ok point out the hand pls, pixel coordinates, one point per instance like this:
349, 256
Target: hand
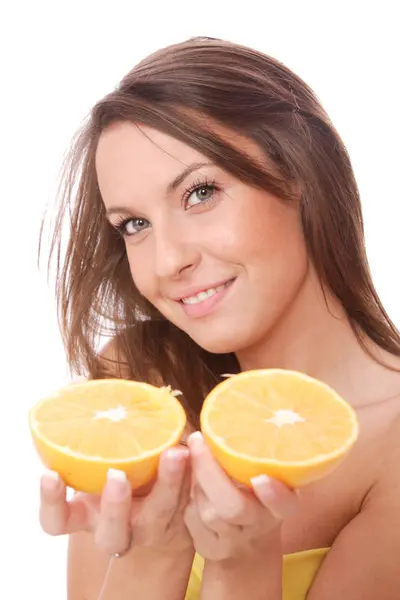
226, 522
154, 520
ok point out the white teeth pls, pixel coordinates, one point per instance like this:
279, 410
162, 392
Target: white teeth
204, 295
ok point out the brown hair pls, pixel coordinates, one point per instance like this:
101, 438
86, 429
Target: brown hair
257, 97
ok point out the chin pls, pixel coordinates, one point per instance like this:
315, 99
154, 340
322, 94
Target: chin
225, 342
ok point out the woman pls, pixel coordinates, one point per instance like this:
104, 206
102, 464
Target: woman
216, 226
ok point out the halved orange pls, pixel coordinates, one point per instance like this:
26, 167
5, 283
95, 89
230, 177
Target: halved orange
86, 428
280, 423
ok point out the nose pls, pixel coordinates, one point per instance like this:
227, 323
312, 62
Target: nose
174, 252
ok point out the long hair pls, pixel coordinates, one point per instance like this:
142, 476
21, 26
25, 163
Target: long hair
180, 90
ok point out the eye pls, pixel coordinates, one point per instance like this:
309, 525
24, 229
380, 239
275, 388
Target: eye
200, 194
131, 226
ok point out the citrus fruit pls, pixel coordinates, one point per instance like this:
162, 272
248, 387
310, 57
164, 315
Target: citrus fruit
86, 428
279, 423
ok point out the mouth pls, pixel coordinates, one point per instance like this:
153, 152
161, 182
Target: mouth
205, 294
203, 302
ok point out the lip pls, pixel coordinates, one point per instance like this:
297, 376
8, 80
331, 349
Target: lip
208, 305
194, 291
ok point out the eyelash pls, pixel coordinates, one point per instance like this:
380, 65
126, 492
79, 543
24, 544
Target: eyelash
198, 185
120, 225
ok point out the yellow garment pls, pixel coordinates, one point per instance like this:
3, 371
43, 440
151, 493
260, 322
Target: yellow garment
299, 571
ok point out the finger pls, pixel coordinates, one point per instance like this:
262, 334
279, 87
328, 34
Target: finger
229, 502
202, 536
280, 500
56, 515
171, 484
113, 532
144, 490
186, 483
209, 516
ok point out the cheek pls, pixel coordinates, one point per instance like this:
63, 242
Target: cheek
265, 230
282, 259
282, 243
141, 273
271, 246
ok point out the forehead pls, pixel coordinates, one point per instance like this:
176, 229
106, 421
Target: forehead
125, 141
129, 153
132, 158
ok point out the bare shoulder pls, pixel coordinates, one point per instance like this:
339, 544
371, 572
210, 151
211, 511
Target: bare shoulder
363, 561
379, 448
388, 457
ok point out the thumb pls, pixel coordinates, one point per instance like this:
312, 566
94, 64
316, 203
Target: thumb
280, 500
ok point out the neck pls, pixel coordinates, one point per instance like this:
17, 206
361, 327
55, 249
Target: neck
315, 337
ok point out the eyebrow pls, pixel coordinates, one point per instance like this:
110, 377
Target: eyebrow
171, 187
185, 173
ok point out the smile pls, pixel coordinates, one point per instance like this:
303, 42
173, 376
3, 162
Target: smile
203, 302
201, 296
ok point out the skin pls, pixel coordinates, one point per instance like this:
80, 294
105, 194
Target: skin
237, 234
274, 314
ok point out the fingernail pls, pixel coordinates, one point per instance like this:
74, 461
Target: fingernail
261, 483
116, 475
116, 484
195, 442
50, 480
174, 459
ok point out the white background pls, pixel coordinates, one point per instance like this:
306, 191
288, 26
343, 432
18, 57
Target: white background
58, 58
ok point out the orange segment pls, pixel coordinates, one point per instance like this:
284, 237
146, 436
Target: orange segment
86, 428
280, 423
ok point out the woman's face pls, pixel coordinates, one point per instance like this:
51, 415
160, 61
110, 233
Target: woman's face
219, 259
